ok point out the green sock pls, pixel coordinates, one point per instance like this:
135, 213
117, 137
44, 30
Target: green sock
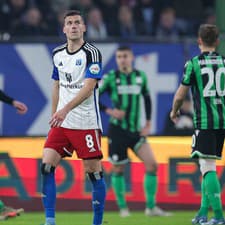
212, 187
150, 187
203, 211
119, 187
1, 206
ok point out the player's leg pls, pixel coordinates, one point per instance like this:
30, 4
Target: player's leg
54, 149
49, 162
209, 147
117, 146
9, 212
94, 172
119, 188
145, 153
88, 147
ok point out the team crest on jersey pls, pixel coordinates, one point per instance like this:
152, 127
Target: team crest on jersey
94, 68
78, 62
68, 77
138, 80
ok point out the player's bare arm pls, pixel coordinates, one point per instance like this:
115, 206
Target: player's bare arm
84, 93
146, 129
177, 101
55, 96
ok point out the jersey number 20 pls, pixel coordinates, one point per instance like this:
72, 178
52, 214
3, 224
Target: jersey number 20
209, 90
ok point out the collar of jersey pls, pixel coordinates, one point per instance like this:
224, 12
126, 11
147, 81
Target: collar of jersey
72, 53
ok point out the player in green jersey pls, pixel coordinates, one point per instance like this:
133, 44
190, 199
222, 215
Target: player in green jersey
126, 86
205, 74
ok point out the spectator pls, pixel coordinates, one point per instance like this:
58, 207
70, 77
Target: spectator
210, 17
109, 9
48, 14
127, 27
145, 12
11, 13
32, 24
184, 125
83, 6
96, 28
167, 27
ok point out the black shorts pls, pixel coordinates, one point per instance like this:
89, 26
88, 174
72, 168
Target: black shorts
208, 144
119, 141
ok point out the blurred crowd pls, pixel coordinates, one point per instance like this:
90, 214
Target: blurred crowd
107, 18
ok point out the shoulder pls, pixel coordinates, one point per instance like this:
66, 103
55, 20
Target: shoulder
92, 52
141, 73
59, 49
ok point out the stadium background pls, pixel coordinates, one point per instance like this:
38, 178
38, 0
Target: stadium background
25, 71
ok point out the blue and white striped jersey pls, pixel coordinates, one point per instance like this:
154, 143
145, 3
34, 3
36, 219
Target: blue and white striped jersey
71, 69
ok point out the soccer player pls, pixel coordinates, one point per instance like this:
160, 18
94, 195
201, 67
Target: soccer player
205, 74
6, 211
75, 122
126, 86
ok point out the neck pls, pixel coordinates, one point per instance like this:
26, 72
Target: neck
74, 45
126, 71
207, 49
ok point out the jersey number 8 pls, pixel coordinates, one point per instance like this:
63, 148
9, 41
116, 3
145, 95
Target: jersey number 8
219, 84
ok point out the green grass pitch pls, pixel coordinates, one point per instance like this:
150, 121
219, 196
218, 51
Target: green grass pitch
110, 218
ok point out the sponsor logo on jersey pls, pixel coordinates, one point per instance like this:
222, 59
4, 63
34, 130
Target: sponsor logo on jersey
94, 68
129, 89
68, 77
78, 62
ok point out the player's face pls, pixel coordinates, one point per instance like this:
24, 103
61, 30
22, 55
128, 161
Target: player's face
124, 59
74, 27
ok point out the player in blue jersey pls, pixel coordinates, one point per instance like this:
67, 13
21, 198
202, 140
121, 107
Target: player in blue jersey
75, 122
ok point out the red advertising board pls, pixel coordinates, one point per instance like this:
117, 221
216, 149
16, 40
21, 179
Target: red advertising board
178, 175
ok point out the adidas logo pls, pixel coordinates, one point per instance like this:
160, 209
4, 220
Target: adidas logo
92, 150
61, 64
96, 202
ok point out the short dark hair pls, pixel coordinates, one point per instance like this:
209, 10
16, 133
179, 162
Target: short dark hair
209, 34
124, 48
73, 13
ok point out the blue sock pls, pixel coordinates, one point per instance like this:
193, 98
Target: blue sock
49, 197
98, 200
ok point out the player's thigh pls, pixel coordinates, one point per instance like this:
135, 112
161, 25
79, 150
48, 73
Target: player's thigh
87, 143
117, 146
56, 146
204, 144
143, 150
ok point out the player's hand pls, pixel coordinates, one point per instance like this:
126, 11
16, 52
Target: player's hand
58, 117
20, 107
174, 116
146, 129
116, 113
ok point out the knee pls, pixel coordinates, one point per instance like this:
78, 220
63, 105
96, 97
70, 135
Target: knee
118, 170
47, 168
153, 167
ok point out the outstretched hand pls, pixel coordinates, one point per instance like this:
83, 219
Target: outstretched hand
20, 107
